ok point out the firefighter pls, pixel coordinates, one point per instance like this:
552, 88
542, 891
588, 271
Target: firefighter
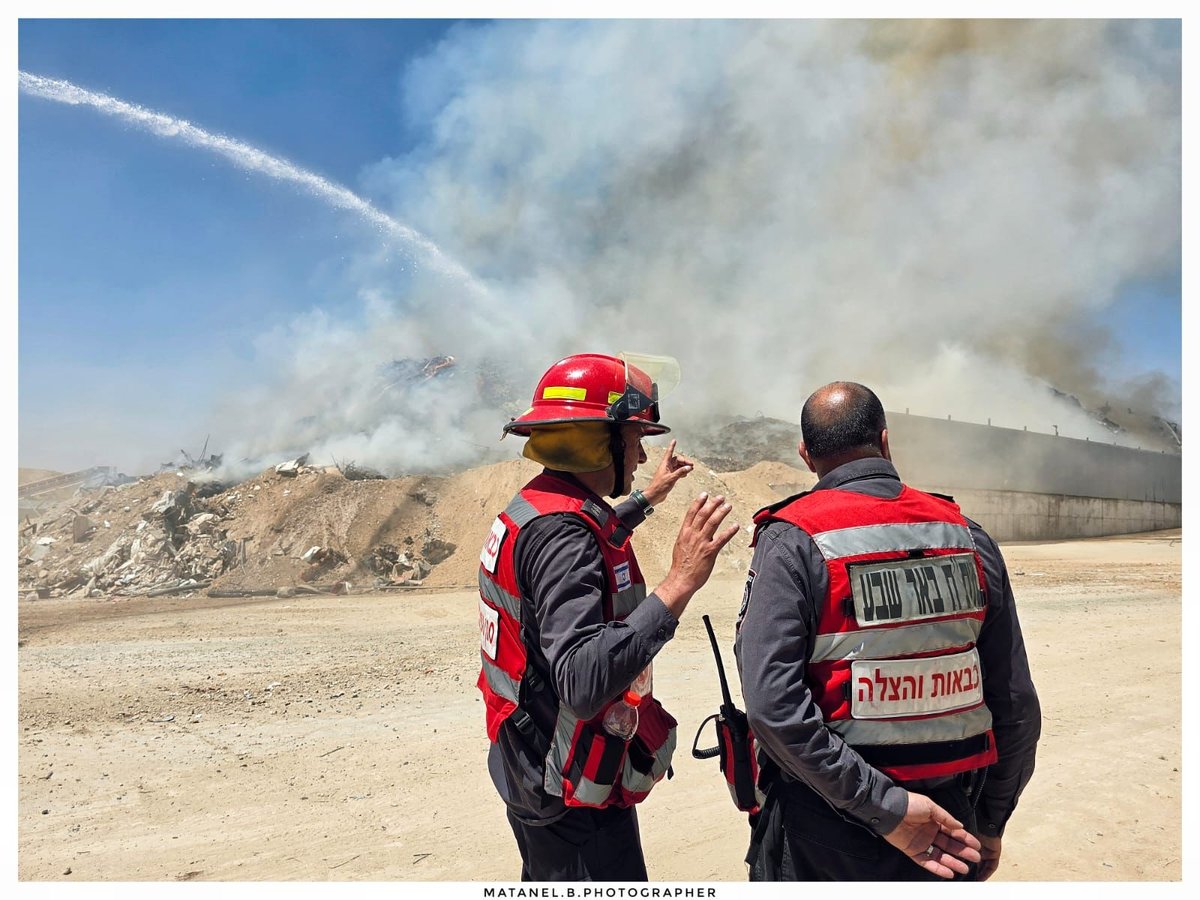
566, 624
883, 670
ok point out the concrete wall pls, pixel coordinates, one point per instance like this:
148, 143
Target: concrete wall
959, 455
1018, 516
1019, 485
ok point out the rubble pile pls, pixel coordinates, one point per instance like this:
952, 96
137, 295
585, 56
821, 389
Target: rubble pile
147, 537
397, 566
298, 529
294, 526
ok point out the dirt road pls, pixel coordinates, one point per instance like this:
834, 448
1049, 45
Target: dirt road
341, 738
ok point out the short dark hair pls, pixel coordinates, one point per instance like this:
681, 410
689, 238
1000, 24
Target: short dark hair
855, 422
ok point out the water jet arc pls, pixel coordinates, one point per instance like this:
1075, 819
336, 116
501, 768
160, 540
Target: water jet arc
246, 157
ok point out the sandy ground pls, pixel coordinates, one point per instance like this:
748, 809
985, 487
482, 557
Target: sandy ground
341, 738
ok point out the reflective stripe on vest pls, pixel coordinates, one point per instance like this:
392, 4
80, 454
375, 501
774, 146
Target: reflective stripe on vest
521, 511
641, 782
916, 731
880, 643
888, 538
499, 597
893, 667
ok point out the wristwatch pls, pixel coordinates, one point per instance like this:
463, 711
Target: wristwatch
641, 500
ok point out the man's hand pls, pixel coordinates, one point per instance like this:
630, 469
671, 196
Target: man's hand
695, 552
990, 851
672, 468
934, 839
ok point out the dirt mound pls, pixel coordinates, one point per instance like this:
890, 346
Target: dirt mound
747, 490
310, 529
25, 476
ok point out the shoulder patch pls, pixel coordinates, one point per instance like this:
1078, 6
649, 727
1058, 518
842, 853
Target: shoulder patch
624, 578
750, 576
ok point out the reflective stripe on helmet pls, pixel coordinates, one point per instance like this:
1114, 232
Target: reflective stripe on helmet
564, 393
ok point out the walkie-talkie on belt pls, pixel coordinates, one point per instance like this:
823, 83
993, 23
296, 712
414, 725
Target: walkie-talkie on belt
735, 743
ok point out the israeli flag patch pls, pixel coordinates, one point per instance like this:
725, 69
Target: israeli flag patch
624, 579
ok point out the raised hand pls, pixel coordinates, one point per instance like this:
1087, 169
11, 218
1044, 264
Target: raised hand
695, 552
670, 470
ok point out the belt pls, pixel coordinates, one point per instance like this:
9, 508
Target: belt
970, 782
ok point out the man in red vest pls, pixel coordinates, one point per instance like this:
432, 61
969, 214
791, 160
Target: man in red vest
567, 629
883, 670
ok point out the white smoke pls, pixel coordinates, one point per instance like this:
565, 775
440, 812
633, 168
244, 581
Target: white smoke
932, 208
937, 209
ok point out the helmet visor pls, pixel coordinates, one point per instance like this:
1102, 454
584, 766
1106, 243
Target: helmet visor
647, 380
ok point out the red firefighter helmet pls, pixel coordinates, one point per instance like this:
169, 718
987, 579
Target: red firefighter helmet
592, 387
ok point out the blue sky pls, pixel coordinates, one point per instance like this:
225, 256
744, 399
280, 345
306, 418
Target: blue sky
143, 262
157, 280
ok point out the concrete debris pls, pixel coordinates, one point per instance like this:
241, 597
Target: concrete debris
162, 544
292, 467
185, 584
82, 529
165, 536
320, 560
201, 524
384, 558
404, 568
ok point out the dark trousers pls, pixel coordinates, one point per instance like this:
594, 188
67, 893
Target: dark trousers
803, 838
584, 845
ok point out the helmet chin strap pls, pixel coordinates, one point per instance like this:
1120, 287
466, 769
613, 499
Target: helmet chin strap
616, 447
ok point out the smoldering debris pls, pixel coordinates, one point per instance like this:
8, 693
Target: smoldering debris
199, 463
351, 471
401, 373
742, 443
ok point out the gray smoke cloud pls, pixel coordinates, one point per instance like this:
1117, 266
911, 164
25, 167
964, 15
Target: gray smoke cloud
937, 209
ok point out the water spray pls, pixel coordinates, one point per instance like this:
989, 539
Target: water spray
249, 158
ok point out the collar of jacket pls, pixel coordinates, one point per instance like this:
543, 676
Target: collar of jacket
857, 469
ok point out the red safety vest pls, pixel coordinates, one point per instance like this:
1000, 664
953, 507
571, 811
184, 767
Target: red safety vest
893, 664
584, 765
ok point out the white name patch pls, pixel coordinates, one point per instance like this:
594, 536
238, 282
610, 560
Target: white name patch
905, 590
624, 580
489, 629
491, 547
883, 689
